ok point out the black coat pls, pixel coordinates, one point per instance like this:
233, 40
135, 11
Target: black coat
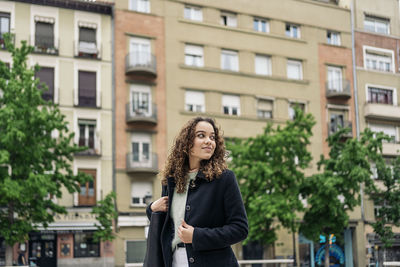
215, 209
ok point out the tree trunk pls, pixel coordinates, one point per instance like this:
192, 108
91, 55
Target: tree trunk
9, 255
326, 264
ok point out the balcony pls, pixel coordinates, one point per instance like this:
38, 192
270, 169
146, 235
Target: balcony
391, 149
87, 50
338, 89
135, 164
93, 144
334, 127
81, 100
141, 114
141, 63
44, 44
382, 111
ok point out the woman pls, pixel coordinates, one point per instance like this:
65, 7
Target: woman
205, 212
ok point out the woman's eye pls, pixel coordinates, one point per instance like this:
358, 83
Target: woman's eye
200, 135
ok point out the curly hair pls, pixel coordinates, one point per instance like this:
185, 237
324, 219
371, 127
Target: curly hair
177, 164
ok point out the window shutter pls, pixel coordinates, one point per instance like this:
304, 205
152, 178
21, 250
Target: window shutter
87, 35
87, 88
46, 75
44, 34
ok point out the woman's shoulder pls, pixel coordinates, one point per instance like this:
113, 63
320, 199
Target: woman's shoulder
227, 175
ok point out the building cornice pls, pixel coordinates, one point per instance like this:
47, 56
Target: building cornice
88, 6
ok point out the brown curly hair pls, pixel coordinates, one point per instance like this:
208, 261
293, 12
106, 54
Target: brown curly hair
177, 164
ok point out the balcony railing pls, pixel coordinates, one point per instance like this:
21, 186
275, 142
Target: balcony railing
338, 89
141, 63
44, 44
136, 113
138, 163
382, 111
334, 127
86, 101
93, 144
87, 50
391, 149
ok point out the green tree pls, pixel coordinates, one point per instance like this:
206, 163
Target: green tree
105, 214
334, 191
35, 165
387, 196
270, 170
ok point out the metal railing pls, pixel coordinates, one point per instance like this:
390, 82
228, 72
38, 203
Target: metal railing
93, 144
139, 163
45, 44
141, 113
140, 62
338, 88
87, 50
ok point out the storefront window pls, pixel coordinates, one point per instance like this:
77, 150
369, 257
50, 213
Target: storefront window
85, 246
2, 252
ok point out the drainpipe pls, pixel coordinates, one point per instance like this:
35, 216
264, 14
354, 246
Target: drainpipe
114, 186
353, 49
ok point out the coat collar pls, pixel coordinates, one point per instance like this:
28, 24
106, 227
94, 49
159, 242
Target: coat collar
200, 176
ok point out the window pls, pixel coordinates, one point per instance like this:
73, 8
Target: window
380, 96
228, 19
194, 101
141, 100
261, 25
292, 30
142, 193
229, 60
292, 111
140, 5
378, 25
4, 26
333, 38
87, 135
85, 246
389, 130
193, 13
140, 52
374, 60
335, 80
87, 194
337, 121
263, 65
87, 42
141, 150
87, 88
294, 70
135, 251
265, 108
44, 36
231, 105
46, 76
194, 55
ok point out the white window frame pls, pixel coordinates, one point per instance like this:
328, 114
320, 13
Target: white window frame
368, 85
388, 52
259, 22
334, 83
231, 19
291, 32
142, 6
376, 21
46, 12
233, 58
90, 19
194, 55
262, 111
193, 13
228, 101
144, 45
49, 62
142, 138
145, 188
297, 63
141, 89
334, 38
87, 66
9, 7
196, 99
262, 65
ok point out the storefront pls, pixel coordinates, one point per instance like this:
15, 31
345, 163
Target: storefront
378, 254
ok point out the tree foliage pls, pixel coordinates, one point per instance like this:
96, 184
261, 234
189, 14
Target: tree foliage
270, 173
105, 214
36, 150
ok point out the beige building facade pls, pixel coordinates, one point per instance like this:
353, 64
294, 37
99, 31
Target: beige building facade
72, 45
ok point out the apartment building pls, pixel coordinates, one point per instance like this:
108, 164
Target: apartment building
247, 63
140, 120
377, 43
72, 45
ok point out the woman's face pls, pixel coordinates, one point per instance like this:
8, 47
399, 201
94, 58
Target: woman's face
204, 142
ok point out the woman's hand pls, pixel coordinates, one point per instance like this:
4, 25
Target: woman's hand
160, 204
185, 232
